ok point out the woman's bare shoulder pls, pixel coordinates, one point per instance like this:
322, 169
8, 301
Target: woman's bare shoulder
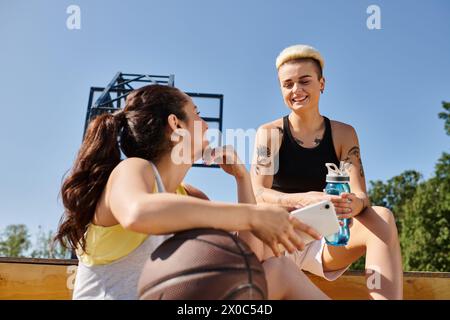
133, 162
341, 129
278, 123
132, 175
133, 167
344, 136
269, 130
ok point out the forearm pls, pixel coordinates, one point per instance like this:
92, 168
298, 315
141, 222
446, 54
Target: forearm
169, 213
245, 190
287, 200
364, 198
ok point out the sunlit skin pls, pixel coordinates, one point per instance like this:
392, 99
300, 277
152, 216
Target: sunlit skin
128, 199
300, 86
188, 129
284, 280
373, 231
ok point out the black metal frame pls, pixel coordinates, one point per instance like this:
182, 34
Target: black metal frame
121, 86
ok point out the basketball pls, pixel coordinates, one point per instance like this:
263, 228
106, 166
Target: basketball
203, 264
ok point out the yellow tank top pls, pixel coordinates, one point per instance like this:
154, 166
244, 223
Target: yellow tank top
108, 244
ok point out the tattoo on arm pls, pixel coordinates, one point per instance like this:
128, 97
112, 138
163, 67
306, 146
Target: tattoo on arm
354, 156
284, 201
259, 192
361, 171
264, 155
281, 199
263, 160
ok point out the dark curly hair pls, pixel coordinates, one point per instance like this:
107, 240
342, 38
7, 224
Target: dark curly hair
138, 131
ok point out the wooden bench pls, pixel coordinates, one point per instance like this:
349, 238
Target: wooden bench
26, 278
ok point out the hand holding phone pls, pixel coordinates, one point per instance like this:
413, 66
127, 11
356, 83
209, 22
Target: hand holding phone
321, 216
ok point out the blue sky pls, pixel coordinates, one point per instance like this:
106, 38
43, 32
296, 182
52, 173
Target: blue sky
387, 83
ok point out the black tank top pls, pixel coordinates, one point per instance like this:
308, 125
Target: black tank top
303, 169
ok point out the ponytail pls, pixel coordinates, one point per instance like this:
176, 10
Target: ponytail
81, 190
141, 128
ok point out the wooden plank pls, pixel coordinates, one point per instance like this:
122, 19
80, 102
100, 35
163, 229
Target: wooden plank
53, 279
36, 281
58, 262
346, 287
416, 286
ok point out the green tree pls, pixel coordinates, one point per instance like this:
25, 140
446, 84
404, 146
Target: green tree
425, 238
422, 211
45, 247
14, 241
445, 115
394, 193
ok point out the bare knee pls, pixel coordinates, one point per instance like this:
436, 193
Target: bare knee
284, 278
389, 230
387, 216
273, 270
384, 213
277, 263
279, 266
256, 245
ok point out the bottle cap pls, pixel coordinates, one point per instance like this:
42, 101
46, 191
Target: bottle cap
336, 174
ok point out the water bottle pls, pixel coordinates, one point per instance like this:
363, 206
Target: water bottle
337, 183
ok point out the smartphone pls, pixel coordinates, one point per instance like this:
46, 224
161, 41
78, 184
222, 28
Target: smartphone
321, 216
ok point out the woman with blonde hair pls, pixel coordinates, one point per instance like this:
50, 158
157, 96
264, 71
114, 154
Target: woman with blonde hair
289, 170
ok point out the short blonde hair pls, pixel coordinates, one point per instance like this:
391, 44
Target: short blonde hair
299, 51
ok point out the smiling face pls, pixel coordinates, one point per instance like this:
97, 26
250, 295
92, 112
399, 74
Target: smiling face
301, 83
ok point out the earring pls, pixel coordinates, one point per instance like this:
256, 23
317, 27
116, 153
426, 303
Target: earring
321, 90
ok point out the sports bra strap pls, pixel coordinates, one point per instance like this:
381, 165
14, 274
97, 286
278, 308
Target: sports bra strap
159, 182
